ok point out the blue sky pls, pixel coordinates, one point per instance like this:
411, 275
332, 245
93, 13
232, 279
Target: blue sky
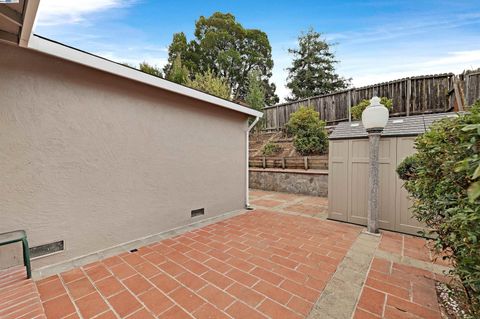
376, 40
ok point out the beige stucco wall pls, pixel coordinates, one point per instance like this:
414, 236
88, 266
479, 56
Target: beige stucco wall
97, 160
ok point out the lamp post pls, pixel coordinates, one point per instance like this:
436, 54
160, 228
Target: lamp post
374, 120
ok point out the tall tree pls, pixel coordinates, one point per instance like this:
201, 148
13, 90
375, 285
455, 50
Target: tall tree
230, 51
313, 68
255, 97
150, 69
178, 73
208, 82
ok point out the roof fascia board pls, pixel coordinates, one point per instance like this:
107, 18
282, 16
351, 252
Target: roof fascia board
70, 54
29, 18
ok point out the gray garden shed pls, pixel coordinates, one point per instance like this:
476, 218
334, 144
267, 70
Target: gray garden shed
348, 171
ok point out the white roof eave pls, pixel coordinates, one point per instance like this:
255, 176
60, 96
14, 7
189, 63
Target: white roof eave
70, 54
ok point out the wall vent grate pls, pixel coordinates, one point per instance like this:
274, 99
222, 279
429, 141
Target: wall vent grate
198, 212
47, 249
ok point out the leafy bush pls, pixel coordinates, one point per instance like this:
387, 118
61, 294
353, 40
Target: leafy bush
443, 178
270, 149
358, 109
310, 136
407, 169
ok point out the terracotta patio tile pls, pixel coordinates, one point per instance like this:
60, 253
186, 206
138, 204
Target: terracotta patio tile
207, 311
267, 275
109, 286
381, 265
191, 281
165, 283
272, 292
122, 270
372, 301
156, 301
195, 267
91, 305
245, 294
50, 289
275, 310
386, 287
133, 259
141, 314
242, 277
107, 315
72, 275
186, 298
300, 305
266, 203
124, 303
98, 272
175, 313
362, 314
300, 290
413, 308
240, 310
217, 279
80, 288
216, 296
171, 268
137, 284
147, 269
112, 261
58, 307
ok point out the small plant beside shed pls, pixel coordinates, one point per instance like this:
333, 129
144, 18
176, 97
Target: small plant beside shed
308, 131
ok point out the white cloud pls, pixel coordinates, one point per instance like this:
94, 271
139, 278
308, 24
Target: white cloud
61, 12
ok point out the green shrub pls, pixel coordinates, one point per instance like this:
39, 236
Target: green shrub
270, 149
407, 169
309, 134
444, 181
358, 109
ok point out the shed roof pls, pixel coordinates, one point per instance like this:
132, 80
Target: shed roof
396, 126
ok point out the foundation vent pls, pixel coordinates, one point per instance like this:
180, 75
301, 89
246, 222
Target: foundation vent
47, 249
198, 212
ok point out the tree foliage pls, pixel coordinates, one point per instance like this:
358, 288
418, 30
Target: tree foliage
358, 109
178, 72
313, 68
309, 133
208, 82
443, 178
150, 69
225, 47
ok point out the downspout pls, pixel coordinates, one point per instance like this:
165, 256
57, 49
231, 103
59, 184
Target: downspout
247, 133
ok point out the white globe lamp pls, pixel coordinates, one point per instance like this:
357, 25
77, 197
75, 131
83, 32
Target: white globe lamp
375, 116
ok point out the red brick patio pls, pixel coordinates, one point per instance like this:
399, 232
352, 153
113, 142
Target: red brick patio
258, 265
261, 264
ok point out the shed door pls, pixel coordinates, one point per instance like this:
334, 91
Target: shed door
404, 221
338, 180
358, 192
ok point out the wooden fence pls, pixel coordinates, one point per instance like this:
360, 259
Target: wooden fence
306, 162
414, 95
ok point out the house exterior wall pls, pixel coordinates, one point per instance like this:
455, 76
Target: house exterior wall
97, 160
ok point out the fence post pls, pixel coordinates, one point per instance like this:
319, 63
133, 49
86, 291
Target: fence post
349, 104
263, 162
305, 162
409, 94
283, 162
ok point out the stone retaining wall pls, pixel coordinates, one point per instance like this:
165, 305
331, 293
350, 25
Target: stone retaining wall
311, 182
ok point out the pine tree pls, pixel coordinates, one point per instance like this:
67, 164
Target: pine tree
313, 69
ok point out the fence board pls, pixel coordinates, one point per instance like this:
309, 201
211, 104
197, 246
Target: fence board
414, 95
